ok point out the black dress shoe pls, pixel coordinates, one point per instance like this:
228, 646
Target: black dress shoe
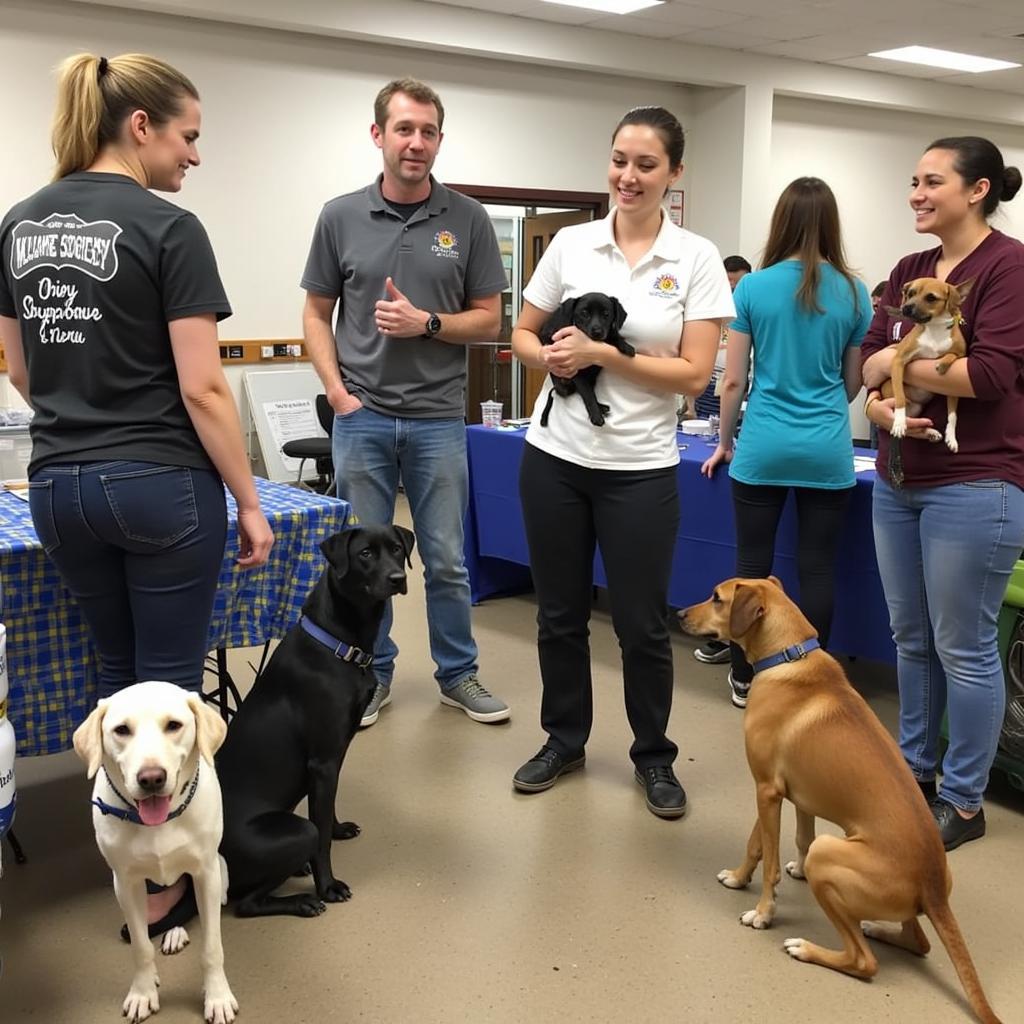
665, 797
541, 771
954, 829
928, 789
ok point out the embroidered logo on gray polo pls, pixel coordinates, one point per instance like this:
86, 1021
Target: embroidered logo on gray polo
445, 245
665, 286
64, 240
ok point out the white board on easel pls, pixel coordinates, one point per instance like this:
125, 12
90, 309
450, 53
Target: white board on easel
282, 407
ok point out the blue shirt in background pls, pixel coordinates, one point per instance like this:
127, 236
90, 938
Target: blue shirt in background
796, 430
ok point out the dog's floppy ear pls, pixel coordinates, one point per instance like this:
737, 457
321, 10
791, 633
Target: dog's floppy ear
747, 608
408, 539
777, 582
88, 739
618, 313
561, 317
335, 550
210, 728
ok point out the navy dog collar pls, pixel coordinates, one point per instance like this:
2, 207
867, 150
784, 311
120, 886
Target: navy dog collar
794, 653
130, 812
342, 650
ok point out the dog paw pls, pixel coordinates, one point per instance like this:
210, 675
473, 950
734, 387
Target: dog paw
951, 441
931, 434
304, 872
796, 948
309, 906
795, 869
755, 919
174, 941
731, 880
336, 891
141, 1001
899, 423
219, 1005
345, 830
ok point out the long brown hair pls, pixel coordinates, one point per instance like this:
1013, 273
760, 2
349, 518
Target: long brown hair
805, 226
95, 95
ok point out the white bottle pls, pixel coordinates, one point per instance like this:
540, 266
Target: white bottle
8, 790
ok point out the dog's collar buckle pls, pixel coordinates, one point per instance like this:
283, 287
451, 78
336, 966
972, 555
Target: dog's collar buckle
341, 650
795, 653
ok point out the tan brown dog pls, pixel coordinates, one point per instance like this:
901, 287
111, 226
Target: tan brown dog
813, 740
934, 306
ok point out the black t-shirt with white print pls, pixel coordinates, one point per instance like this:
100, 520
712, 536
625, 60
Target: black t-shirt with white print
93, 267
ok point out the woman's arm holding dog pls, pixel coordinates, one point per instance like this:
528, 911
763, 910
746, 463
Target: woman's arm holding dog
734, 387
920, 373
526, 341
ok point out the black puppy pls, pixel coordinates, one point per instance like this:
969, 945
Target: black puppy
290, 735
599, 317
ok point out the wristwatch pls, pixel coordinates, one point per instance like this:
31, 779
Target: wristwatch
433, 325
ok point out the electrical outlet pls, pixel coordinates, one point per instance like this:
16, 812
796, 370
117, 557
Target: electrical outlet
267, 352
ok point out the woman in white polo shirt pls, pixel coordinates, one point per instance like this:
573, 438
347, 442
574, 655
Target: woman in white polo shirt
615, 484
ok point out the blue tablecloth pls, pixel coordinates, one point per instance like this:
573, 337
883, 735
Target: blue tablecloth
705, 551
51, 663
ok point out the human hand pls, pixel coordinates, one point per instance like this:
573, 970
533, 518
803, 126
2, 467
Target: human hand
342, 401
255, 538
878, 368
881, 412
570, 351
719, 455
397, 317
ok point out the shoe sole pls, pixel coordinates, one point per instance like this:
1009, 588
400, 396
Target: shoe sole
477, 716
365, 723
715, 659
660, 812
539, 787
966, 837
737, 700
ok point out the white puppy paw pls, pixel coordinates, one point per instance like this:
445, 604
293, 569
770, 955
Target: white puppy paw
219, 1006
931, 434
174, 941
899, 422
755, 919
731, 880
141, 1001
951, 441
795, 869
796, 948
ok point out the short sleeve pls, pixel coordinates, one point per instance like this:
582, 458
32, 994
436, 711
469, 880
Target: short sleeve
545, 288
323, 267
485, 274
862, 315
7, 306
708, 296
189, 280
741, 298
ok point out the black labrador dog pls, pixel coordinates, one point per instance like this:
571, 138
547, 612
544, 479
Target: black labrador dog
599, 317
291, 733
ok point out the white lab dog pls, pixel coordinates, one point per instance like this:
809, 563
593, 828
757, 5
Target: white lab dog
157, 813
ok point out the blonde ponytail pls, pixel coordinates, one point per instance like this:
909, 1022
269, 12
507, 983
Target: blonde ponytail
95, 95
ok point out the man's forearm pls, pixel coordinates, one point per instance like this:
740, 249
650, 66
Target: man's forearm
322, 352
471, 325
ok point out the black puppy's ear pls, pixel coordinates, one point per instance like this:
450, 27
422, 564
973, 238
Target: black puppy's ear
618, 313
335, 550
408, 540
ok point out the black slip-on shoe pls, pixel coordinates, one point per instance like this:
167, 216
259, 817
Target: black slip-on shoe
954, 829
543, 769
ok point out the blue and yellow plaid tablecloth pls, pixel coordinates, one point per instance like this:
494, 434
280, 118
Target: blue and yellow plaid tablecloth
51, 661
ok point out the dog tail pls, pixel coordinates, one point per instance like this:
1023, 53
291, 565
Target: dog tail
937, 909
895, 461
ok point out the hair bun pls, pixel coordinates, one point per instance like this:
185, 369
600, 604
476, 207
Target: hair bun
1011, 183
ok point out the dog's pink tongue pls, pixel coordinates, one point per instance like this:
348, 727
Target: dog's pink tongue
154, 809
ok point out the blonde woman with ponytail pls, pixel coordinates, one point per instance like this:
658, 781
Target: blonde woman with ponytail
109, 303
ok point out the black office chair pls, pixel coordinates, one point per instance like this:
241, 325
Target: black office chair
317, 448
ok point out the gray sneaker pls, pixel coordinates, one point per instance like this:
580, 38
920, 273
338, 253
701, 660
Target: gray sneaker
381, 698
470, 696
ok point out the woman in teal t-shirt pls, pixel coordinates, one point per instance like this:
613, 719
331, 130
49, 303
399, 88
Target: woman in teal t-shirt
803, 317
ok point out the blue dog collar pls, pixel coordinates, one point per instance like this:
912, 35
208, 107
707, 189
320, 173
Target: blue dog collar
342, 651
129, 812
794, 653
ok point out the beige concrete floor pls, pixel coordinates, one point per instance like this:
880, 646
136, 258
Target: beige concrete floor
475, 904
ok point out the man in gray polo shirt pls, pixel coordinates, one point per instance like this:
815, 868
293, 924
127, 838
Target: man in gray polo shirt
417, 274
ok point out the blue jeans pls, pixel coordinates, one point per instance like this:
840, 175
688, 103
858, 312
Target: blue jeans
372, 452
140, 547
945, 555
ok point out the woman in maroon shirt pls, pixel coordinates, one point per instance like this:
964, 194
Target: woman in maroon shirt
948, 537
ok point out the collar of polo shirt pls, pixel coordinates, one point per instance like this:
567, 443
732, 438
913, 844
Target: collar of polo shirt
437, 201
667, 245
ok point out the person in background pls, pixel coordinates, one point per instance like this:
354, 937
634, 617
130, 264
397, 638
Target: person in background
803, 316
716, 652
109, 303
947, 540
418, 275
582, 485
876, 295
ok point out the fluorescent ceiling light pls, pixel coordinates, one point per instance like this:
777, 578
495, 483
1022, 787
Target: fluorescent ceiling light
944, 59
609, 6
